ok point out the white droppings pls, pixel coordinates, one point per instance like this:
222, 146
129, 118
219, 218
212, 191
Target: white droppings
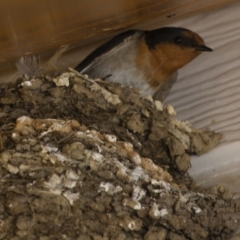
196, 209
97, 156
53, 182
109, 188
71, 197
88, 134
138, 173
60, 157
137, 206
163, 212
131, 203
145, 112
55, 127
70, 174
25, 120
185, 126
183, 199
80, 134
131, 225
15, 136
109, 97
156, 213
138, 193
171, 110
62, 80
26, 84
154, 190
68, 183
48, 149
110, 138
158, 105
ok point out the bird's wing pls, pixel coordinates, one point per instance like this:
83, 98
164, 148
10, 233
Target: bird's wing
109, 48
165, 88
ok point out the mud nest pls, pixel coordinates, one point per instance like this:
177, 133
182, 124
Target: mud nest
90, 160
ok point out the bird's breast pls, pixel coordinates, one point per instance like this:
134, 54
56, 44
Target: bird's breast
121, 67
153, 64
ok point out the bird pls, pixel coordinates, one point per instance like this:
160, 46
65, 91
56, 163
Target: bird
148, 60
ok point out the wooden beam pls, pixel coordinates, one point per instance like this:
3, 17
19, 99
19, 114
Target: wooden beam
41, 25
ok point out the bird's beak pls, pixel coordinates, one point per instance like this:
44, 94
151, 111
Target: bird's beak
203, 48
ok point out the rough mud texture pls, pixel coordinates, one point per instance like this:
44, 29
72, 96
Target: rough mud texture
92, 160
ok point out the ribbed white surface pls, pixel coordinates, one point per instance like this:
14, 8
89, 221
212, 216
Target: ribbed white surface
207, 94
208, 90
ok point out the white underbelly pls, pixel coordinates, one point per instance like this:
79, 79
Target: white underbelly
121, 68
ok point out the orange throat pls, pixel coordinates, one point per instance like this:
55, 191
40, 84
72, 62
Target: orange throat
160, 63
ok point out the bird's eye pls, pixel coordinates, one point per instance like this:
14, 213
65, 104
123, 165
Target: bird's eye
178, 40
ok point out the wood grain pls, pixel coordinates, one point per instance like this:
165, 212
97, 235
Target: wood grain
42, 26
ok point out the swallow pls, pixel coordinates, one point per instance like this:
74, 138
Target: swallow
147, 60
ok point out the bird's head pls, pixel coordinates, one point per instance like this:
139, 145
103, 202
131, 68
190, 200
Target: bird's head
174, 47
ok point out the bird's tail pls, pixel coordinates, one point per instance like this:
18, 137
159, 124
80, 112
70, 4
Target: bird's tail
33, 66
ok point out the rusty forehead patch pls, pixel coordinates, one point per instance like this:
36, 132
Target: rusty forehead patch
196, 37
